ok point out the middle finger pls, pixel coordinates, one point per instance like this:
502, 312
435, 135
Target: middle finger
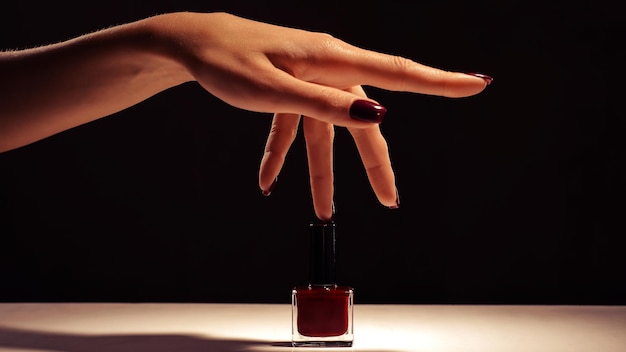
319, 138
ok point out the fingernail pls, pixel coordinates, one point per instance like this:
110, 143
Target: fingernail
488, 79
397, 201
269, 191
332, 214
365, 110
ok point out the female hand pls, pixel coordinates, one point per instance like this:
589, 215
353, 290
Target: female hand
248, 64
297, 73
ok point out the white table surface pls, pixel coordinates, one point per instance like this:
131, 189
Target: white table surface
185, 327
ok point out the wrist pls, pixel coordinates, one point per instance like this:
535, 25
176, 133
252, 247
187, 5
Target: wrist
158, 36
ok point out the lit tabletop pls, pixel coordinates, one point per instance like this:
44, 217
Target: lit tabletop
186, 327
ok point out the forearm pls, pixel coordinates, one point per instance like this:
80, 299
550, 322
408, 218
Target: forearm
50, 89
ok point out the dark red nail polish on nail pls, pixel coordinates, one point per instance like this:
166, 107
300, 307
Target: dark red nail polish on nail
488, 79
365, 110
322, 311
397, 205
269, 191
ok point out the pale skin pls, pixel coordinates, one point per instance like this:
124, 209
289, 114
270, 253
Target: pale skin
293, 74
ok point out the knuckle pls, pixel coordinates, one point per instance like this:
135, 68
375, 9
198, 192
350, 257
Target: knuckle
403, 67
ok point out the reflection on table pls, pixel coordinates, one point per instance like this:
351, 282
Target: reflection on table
187, 327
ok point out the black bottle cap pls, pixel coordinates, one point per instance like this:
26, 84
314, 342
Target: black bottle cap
322, 254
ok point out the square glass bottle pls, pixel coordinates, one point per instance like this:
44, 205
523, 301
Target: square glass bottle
322, 311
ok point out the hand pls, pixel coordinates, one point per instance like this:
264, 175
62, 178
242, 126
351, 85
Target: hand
326, 66
295, 73
248, 64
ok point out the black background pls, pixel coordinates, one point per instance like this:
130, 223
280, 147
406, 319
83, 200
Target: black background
512, 196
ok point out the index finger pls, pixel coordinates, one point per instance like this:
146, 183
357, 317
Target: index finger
343, 65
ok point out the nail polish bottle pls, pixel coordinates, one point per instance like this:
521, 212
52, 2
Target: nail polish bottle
322, 311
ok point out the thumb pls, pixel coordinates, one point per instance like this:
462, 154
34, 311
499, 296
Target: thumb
328, 104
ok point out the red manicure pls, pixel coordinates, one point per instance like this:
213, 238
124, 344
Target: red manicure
269, 191
488, 79
397, 205
365, 110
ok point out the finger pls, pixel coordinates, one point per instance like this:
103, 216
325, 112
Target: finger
343, 65
281, 92
319, 138
282, 134
374, 154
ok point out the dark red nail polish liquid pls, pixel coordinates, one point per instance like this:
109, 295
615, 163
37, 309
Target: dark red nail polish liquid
322, 311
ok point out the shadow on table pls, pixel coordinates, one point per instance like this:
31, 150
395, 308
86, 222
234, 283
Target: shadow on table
63, 342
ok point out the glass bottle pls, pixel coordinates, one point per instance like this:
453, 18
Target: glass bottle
322, 311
